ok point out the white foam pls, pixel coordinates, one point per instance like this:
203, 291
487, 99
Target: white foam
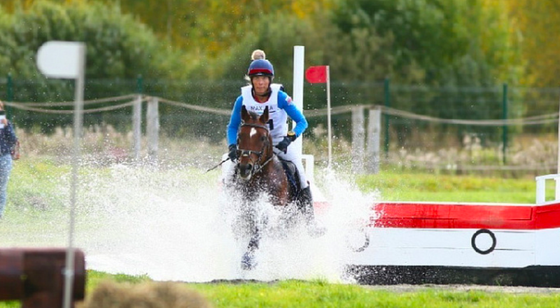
175, 224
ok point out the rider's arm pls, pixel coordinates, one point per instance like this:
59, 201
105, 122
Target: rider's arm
285, 102
234, 121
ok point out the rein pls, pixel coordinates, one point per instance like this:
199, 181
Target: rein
260, 167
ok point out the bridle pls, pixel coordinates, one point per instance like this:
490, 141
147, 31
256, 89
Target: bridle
257, 167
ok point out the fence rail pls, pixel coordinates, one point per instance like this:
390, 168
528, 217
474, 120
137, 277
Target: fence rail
366, 127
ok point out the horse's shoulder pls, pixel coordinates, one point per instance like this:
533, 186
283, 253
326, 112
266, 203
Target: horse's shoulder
286, 164
277, 162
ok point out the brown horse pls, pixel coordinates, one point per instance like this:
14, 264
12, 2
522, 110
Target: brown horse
258, 172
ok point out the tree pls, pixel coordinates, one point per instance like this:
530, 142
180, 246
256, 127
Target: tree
117, 46
435, 34
208, 28
538, 23
438, 43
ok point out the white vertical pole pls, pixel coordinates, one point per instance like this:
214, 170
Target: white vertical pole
373, 140
557, 192
299, 55
358, 134
329, 129
137, 126
152, 129
541, 189
78, 124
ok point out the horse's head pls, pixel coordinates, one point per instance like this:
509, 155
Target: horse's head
254, 143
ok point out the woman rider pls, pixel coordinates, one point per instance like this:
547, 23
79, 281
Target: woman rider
255, 97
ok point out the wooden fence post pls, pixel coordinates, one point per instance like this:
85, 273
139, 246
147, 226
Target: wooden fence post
358, 134
152, 128
11, 281
137, 126
35, 276
373, 140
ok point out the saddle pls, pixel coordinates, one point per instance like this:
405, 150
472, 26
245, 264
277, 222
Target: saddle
293, 178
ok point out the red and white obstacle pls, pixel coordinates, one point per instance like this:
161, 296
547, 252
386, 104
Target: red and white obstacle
428, 241
464, 234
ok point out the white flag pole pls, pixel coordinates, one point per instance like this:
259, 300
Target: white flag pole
78, 124
329, 116
59, 59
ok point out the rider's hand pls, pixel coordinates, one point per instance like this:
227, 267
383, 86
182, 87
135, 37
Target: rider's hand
283, 145
232, 152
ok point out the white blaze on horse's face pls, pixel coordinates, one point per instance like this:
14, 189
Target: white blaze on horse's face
253, 132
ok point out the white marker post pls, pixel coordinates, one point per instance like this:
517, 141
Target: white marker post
66, 60
299, 55
557, 180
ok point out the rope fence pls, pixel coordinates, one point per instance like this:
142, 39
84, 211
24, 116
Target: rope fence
42, 107
366, 139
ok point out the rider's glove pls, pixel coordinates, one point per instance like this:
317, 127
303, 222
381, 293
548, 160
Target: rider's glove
283, 145
232, 152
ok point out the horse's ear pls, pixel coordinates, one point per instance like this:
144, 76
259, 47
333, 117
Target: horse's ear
244, 114
264, 115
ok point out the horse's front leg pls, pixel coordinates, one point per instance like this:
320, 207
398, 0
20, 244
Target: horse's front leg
257, 223
248, 261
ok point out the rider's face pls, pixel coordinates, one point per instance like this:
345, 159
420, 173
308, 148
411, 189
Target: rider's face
261, 84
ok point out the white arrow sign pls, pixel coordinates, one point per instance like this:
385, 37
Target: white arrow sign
58, 59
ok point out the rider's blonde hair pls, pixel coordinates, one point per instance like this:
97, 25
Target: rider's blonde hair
258, 54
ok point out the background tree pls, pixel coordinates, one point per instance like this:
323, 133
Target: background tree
202, 47
538, 23
440, 43
117, 47
207, 28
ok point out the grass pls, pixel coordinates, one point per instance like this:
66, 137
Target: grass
319, 294
451, 188
34, 204
316, 294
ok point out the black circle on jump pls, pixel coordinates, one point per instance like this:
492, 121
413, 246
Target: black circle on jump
365, 245
480, 251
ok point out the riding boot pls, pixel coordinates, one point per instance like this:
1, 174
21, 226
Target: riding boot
306, 207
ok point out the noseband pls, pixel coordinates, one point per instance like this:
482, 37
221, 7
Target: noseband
247, 153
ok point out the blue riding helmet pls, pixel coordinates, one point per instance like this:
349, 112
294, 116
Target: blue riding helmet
260, 67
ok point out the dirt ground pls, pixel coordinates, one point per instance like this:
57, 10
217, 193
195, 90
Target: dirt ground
401, 288
463, 288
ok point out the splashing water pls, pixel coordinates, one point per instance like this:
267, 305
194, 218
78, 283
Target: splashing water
175, 224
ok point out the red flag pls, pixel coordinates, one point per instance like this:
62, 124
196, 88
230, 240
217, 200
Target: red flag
316, 74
